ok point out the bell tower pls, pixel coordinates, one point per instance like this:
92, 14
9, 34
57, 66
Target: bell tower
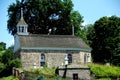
22, 26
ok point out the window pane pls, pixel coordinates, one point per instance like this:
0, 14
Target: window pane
69, 58
42, 60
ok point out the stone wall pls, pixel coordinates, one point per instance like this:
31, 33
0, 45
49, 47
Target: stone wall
83, 72
55, 59
29, 59
52, 58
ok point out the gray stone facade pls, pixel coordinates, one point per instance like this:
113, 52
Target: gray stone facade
52, 58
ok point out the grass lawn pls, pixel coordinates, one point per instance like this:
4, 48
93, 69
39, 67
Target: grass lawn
9, 78
105, 71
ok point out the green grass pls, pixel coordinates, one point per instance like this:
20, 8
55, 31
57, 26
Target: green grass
104, 79
44, 73
9, 78
50, 72
105, 71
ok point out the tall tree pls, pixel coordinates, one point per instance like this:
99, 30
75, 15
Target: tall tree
42, 15
104, 39
2, 46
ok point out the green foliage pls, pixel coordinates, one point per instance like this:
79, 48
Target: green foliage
104, 37
7, 56
42, 15
43, 74
82, 32
2, 46
9, 78
104, 70
39, 76
2, 67
103, 79
90, 34
15, 63
7, 61
42, 77
1, 53
50, 72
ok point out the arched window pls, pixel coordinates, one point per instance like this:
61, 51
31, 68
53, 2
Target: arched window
69, 58
42, 60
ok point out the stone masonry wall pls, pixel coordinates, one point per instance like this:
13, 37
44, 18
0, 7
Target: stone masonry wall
29, 58
53, 59
83, 73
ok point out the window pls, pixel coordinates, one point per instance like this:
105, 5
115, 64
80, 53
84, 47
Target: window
19, 29
87, 58
42, 60
22, 29
69, 58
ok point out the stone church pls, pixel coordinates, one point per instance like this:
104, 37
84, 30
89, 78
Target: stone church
37, 51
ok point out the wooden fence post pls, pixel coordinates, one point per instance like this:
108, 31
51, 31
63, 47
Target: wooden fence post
17, 72
13, 71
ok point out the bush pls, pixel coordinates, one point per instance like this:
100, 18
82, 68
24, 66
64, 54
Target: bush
2, 67
8, 62
50, 72
15, 63
7, 56
105, 71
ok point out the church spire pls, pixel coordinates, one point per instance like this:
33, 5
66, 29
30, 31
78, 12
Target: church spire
22, 26
21, 12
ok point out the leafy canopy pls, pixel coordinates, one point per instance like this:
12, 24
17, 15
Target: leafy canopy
42, 15
7, 61
104, 39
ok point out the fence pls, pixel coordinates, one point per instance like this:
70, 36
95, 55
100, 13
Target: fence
17, 73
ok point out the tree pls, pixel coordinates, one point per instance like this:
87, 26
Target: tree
117, 55
2, 46
7, 61
90, 34
104, 39
7, 56
42, 15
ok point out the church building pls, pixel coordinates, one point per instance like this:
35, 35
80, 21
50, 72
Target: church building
37, 51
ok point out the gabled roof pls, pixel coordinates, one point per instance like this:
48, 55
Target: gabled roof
37, 41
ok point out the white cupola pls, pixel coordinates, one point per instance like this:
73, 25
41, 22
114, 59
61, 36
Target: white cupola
22, 26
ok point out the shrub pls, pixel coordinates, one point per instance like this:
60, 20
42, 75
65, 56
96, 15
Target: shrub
2, 67
15, 63
50, 72
105, 71
7, 56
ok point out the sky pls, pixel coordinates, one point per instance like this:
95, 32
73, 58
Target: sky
91, 10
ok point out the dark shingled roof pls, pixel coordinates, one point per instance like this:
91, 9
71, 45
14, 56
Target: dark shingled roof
52, 41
